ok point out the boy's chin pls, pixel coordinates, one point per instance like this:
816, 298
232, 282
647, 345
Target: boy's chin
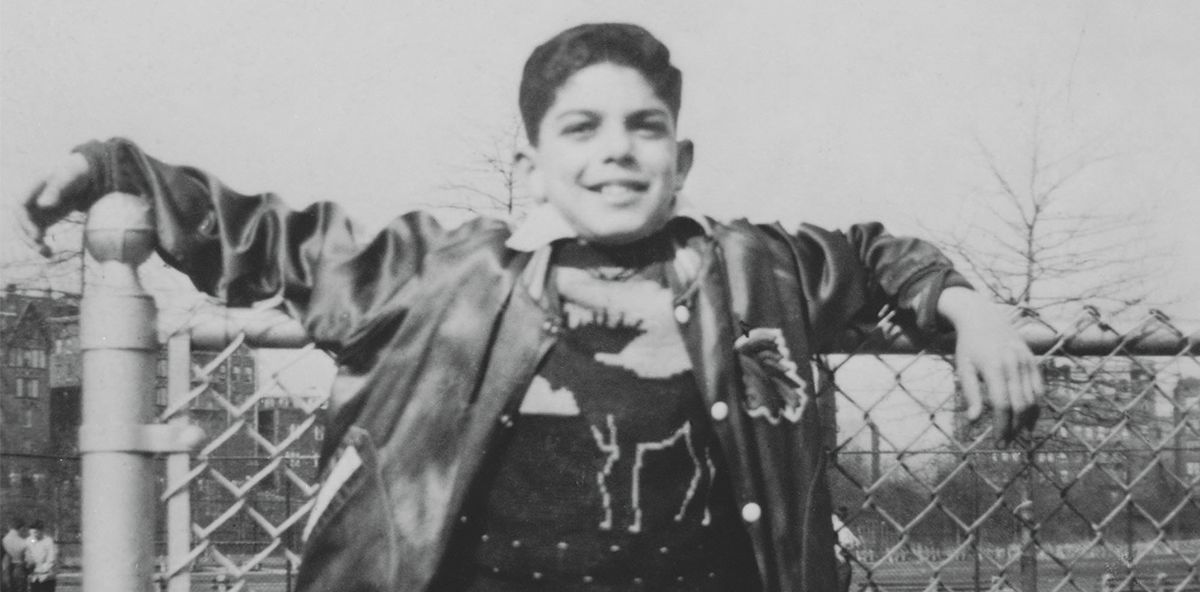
620, 233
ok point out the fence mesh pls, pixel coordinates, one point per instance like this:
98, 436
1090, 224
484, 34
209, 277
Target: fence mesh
1102, 496
251, 483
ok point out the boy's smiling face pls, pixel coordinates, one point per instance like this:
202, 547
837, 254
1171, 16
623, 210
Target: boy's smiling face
607, 158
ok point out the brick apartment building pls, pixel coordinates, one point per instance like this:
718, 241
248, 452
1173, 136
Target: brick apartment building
40, 413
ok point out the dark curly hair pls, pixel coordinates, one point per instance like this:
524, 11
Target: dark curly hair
553, 62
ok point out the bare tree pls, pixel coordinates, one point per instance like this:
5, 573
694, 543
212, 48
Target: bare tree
62, 271
1047, 231
1048, 236
488, 184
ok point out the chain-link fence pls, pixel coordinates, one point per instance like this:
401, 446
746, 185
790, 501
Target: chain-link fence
242, 497
1102, 497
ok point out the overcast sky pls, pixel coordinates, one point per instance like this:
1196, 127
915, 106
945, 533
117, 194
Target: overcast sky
829, 112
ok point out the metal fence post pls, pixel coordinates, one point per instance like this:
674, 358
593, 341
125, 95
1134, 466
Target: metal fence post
118, 336
179, 501
1029, 551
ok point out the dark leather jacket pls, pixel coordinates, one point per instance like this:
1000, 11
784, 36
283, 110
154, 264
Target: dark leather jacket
446, 334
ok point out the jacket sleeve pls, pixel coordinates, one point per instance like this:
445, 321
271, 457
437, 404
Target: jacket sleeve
850, 276
248, 248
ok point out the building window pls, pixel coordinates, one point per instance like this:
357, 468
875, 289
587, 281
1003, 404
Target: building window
27, 420
28, 388
26, 357
1192, 468
160, 395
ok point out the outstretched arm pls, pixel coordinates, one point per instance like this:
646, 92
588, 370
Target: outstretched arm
246, 248
989, 348
853, 274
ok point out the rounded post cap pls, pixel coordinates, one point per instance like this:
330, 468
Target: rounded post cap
120, 227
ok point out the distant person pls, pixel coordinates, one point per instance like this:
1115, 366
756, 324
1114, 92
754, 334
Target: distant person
844, 548
41, 557
14, 544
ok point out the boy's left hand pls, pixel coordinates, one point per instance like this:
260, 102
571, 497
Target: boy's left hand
989, 348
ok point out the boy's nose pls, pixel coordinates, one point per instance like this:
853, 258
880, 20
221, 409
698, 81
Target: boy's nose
617, 146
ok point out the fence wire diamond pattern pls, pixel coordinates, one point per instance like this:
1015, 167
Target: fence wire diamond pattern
1102, 496
252, 483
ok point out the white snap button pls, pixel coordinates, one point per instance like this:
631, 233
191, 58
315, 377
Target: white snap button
719, 411
751, 512
682, 314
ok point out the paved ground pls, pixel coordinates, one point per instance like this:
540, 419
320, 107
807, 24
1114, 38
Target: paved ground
895, 577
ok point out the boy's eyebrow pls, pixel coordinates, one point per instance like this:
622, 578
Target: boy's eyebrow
648, 112
651, 112
574, 112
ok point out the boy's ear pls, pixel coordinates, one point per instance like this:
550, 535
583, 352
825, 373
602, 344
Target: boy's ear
686, 154
528, 173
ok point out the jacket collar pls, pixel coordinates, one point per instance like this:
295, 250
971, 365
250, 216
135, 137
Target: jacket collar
545, 224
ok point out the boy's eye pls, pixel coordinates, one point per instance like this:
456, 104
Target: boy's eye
652, 126
578, 128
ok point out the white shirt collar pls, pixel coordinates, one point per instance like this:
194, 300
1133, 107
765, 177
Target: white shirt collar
544, 225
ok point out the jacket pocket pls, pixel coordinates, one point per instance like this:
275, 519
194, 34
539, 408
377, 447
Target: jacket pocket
349, 537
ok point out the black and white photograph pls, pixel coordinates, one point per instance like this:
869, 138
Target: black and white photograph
599, 296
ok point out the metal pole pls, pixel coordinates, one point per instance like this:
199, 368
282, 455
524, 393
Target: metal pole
978, 534
1025, 516
287, 513
876, 468
179, 502
118, 336
1128, 512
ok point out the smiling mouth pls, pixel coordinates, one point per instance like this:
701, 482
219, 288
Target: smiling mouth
619, 189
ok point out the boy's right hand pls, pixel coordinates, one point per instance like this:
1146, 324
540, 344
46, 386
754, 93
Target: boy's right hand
52, 198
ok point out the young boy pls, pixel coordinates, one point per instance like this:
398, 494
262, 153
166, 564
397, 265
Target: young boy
614, 395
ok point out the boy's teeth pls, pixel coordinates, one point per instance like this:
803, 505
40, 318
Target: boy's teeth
614, 189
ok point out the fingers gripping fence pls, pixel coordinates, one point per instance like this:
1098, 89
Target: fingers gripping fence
1102, 497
